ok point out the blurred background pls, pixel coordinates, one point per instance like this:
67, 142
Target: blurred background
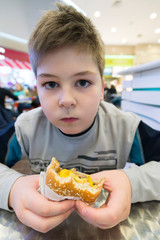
131, 33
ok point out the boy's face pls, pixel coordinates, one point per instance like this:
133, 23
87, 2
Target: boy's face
70, 89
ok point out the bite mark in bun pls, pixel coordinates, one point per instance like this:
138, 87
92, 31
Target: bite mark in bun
72, 183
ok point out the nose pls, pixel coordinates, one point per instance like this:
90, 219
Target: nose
66, 98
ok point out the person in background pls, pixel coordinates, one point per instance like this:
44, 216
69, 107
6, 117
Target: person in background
105, 92
112, 89
34, 92
19, 91
6, 93
110, 95
78, 128
7, 115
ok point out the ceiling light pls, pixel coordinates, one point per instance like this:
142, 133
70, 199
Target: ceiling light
124, 40
153, 15
157, 30
97, 14
113, 29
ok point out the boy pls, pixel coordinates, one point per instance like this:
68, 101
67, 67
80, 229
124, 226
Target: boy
78, 128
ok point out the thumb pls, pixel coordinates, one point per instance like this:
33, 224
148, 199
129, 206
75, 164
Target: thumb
35, 180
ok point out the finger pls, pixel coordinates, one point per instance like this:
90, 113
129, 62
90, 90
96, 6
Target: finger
36, 181
101, 217
43, 224
106, 185
82, 212
32, 200
44, 207
79, 210
41, 205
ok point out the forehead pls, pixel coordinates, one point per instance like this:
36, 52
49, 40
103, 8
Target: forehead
67, 58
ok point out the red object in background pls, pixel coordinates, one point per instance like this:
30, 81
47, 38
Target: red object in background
13, 54
15, 59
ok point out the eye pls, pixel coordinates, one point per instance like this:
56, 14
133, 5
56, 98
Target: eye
50, 85
83, 83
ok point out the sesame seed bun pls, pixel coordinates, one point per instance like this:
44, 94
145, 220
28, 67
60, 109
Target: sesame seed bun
75, 184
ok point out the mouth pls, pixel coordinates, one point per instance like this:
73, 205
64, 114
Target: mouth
69, 120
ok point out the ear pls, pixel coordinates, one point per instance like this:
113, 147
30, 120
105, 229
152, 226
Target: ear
102, 90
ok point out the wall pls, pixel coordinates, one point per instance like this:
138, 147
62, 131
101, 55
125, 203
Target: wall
143, 53
119, 50
18, 11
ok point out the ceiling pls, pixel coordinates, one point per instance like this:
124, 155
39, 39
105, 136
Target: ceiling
129, 17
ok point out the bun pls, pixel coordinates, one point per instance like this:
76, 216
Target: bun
72, 183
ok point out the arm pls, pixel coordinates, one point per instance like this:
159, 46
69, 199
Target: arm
9, 154
11, 95
7, 179
145, 181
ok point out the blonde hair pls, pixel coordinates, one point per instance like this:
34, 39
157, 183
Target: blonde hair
65, 27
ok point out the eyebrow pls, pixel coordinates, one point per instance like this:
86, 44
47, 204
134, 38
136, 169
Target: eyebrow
84, 73
74, 75
46, 75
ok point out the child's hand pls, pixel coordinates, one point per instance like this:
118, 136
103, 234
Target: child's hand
33, 209
118, 205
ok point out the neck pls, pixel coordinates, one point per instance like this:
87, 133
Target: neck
78, 134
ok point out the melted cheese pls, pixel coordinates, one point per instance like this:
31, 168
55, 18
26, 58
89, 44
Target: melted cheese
68, 173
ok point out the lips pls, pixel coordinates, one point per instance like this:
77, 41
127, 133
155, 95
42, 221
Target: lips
69, 120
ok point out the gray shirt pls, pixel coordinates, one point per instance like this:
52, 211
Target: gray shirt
106, 145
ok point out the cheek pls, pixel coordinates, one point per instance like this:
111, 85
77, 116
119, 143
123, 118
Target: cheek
46, 102
49, 110
97, 97
92, 103
44, 96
